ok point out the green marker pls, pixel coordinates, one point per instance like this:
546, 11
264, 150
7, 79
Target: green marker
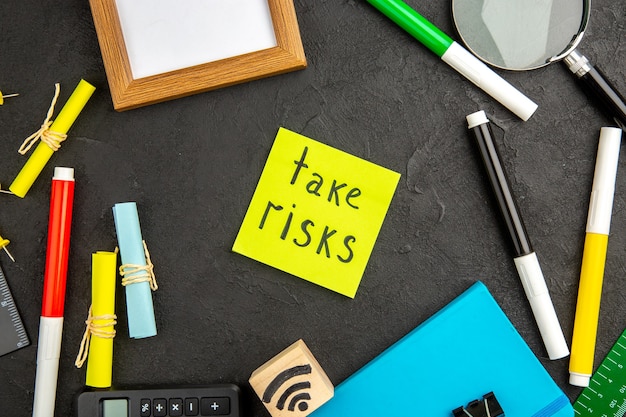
456, 56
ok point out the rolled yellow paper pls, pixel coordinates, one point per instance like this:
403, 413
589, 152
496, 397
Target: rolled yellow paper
100, 361
42, 153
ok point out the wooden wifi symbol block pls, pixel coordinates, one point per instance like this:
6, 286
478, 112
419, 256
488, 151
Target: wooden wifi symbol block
292, 383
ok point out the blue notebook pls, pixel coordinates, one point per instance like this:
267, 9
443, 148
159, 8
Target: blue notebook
464, 351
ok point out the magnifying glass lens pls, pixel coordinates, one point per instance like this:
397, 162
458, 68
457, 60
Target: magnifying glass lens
518, 34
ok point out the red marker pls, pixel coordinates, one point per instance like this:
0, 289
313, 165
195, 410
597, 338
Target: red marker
51, 322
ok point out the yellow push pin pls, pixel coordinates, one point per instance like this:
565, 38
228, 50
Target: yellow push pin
3, 244
2, 97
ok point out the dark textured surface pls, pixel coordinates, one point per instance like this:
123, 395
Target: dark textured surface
192, 165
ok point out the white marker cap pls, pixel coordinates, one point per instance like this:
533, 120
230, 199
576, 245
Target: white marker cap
579, 380
476, 119
541, 304
63, 173
490, 82
605, 174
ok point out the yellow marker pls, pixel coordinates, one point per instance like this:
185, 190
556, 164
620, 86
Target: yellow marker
594, 257
3, 244
2, 97
42, 154
104, 274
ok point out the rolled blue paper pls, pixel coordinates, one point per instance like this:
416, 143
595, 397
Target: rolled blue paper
139, 307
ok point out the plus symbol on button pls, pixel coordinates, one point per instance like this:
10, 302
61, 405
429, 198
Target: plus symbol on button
215, 406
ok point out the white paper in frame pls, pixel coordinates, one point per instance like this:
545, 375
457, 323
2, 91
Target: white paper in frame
158, 50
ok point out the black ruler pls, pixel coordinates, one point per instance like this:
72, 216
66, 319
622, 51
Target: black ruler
11, 328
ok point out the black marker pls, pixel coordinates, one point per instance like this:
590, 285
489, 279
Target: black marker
525, 258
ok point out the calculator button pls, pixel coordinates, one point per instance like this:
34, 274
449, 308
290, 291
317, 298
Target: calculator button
215, 406
176, 407
160, 407
192, 406
145, 408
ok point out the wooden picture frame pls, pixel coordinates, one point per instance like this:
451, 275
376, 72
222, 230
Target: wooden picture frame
129, 93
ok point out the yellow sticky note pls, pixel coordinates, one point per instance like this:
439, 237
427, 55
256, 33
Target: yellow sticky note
316, 212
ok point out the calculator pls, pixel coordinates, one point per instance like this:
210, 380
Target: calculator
208, 400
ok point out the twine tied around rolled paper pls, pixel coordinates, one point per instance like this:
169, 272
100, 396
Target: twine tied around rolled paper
146, 276
49, 137
95, 329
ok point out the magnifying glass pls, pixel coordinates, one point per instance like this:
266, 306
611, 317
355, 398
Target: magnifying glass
529, 34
